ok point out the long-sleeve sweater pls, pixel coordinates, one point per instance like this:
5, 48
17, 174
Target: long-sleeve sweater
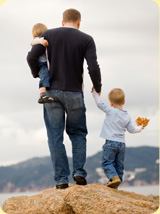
116, 122
68, 47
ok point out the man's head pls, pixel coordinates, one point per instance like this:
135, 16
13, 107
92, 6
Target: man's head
71, 17
38, 29
116, 96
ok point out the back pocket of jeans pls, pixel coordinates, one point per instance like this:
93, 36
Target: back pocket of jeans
77, 102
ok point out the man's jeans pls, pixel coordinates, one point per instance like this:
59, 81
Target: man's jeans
113, 159
67, 111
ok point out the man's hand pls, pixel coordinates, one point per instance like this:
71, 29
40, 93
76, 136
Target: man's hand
93, 89
45, 43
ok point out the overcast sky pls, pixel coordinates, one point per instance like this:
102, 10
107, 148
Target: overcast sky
126, 37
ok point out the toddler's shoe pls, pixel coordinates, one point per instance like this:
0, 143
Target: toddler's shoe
114, 182
115, 187
45, 99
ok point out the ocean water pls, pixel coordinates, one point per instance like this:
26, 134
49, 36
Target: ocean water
143, 190
4, 196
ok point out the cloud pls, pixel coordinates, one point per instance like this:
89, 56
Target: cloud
127, 37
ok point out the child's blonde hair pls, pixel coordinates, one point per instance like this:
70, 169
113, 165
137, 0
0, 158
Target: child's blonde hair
38, 29
116, 96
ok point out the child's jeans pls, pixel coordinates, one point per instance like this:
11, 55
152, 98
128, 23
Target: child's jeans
113, 158
44, 76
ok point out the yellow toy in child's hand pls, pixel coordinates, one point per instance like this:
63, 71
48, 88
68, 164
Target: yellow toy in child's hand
141, 121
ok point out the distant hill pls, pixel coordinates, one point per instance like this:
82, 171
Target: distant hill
141, 168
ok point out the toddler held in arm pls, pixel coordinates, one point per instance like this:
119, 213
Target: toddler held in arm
43, 74
116, 122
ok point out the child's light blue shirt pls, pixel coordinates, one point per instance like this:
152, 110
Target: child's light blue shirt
116, 122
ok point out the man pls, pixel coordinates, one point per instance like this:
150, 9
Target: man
68, 47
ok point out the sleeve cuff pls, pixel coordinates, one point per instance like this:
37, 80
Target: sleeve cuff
96, 97
38, 41
137, 129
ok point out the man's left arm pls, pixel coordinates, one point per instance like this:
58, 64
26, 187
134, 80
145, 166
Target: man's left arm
32, 58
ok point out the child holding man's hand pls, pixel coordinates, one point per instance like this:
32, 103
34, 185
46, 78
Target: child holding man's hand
116, 122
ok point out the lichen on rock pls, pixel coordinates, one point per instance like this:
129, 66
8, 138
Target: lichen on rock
89, 199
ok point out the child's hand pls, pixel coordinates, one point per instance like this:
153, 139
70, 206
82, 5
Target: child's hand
45, 43
143, 126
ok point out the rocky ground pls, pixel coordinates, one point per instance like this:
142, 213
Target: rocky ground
90, 199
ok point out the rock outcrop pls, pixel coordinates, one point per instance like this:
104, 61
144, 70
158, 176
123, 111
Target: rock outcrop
90, 199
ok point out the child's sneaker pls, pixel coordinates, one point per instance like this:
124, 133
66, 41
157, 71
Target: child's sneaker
115, 187
45, 99
114, 182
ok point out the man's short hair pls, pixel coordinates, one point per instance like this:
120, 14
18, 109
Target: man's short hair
71, 15
116, 96
38, 29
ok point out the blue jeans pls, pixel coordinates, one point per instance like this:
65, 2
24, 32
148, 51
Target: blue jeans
44, 75
113, 159
67, 111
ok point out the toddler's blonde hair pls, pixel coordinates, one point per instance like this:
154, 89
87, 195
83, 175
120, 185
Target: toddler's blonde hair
116, 96
38, 29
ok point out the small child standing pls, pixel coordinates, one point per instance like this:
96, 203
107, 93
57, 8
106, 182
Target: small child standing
44, 76
113, 131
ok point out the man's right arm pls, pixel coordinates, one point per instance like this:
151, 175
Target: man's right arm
32, 58
93, 67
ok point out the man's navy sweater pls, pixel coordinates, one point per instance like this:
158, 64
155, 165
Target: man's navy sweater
68, 47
